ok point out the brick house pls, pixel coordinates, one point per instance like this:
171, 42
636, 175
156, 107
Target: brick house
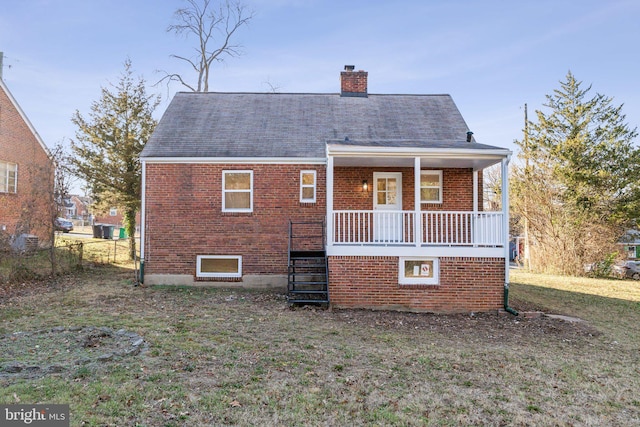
26, 173
352, 198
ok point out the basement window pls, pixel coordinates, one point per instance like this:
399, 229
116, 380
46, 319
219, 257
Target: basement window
419, 271
219, 266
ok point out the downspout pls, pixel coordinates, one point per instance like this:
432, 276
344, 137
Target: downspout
505, 228
143, 222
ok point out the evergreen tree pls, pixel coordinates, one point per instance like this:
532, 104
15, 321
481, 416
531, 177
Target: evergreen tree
108, 143
579, 186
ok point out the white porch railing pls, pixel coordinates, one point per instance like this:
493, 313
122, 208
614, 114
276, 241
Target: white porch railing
428, 228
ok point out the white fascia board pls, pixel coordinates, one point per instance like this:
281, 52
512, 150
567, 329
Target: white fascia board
239, 160
412, 251
358, 151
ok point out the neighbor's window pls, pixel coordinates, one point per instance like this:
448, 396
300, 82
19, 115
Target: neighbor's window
219, 266
113, 212
308, 186
237, 191
8, 177
419, 271
431, 186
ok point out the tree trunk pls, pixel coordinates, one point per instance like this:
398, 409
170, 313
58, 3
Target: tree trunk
130, 226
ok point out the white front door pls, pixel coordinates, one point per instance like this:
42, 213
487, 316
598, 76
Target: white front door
387, 204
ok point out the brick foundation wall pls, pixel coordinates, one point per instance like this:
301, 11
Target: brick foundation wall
27, 210
185, 218
466, 285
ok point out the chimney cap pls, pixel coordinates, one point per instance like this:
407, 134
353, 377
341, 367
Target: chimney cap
349, 67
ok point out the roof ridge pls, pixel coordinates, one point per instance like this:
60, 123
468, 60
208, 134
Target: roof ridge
309, 93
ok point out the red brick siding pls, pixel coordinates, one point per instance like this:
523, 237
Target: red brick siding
466, 284
457, 191
35, 176
185, 218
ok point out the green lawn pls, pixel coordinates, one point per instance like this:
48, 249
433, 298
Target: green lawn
233, 357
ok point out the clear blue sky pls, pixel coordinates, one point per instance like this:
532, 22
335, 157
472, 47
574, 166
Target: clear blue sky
491, 56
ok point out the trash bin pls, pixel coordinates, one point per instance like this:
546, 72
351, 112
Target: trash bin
123, 233
97, 231
107, 231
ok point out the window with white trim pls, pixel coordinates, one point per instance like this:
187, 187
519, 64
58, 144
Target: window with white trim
419, 271
219, 266
237, 191
308, 186
431, 186
8, 177
113, 212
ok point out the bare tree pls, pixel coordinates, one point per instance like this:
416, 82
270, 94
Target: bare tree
62, 181
214, 29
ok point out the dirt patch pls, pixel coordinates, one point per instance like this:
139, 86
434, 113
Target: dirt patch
473, 327
499, 327
63, 350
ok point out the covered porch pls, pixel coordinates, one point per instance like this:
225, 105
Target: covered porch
413, 201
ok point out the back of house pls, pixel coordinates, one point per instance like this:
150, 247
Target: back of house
350, 198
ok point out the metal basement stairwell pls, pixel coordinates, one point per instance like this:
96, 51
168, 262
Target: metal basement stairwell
308, 270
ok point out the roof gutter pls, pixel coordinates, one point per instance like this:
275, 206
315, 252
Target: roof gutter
346, 151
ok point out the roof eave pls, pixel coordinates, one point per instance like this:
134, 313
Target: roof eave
339, 150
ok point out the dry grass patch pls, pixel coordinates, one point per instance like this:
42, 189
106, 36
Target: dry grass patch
234, 357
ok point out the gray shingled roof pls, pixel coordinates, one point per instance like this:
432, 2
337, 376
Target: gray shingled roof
300, 125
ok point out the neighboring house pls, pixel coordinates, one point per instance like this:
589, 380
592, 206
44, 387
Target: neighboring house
630, 244
81, 206
114, 216
380, 196
26, 173
68, 208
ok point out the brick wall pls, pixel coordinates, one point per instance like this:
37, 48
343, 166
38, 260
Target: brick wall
457, 191
185, 218
466, 284
28, 209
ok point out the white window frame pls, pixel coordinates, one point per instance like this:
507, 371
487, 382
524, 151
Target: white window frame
224, 192
303, 186
201, 274
403, 280
113, 212
10, 167
439, 187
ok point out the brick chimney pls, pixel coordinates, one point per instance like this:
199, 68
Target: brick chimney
353, 83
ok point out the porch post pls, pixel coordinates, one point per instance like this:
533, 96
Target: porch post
475, 191
505, 214
417, 229
329, 201
475, 219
